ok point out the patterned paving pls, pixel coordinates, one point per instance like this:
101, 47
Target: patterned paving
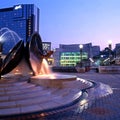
105, 107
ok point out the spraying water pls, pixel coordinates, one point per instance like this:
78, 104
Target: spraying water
8, 38
39, 68
5, 31
45, 67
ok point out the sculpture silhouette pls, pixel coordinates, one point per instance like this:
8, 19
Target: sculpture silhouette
32, 52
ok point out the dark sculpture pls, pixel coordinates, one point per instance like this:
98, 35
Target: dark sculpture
35, 53
32, 52
13, 58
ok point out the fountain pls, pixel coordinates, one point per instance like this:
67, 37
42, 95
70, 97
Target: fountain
42, 93
42, 74
32, 56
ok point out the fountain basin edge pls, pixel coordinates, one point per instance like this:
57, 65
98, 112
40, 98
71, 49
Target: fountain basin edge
53, 81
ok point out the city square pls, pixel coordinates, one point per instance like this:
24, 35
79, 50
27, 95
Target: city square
104, 106
78, 79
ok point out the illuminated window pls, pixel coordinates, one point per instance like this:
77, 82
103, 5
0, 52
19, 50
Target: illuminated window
71, 58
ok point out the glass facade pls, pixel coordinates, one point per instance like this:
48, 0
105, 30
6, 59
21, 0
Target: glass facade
71, 58
21, 19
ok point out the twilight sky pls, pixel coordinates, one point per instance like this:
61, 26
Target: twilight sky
76, 21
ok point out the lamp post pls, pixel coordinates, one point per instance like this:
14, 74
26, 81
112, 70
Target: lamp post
81, 48
110, 44
110, 48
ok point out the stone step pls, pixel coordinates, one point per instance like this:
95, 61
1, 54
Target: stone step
15, 91
12, 84
9, 111
20, 86
29, 95
42, 99
23, 96
24, 91
28, 109
39, 97
19, 92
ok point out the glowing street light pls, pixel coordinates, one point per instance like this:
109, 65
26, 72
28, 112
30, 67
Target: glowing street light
81, 48
110, 48
110, 44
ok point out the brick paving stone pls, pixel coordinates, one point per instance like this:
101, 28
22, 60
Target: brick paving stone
104, 108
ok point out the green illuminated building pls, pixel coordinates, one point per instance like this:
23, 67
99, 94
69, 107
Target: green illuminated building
71, 58
70, 55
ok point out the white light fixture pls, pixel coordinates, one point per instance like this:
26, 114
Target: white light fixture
109, 42
80, 46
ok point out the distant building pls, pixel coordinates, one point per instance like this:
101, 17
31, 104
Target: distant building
70, 55
46, 46
56, 56
117, 50
23, 19
95, 50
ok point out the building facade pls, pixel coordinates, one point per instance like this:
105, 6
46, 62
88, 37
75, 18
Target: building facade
70, 55
117, 50
95, 50
20, 20
46, 48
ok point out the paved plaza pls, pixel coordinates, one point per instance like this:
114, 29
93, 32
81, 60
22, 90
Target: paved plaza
104, 108
28, 97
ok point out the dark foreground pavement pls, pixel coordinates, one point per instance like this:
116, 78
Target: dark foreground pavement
104, 108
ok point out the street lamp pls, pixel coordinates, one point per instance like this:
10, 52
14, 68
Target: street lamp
110, 48
110, 44
81, 48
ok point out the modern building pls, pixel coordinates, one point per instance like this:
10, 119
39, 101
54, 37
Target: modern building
72, 58
70, 55
46, 46
117, 50
20, 20
95, 50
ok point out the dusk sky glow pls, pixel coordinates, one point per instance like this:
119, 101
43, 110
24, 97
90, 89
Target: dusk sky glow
76, 21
